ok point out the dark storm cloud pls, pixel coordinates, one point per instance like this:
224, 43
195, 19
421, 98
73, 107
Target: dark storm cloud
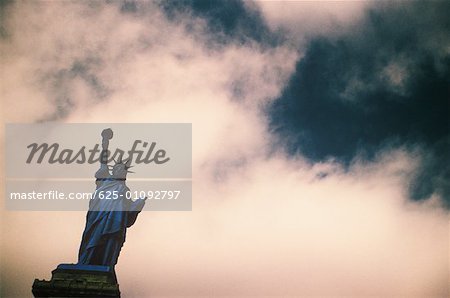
227, 21
383, 83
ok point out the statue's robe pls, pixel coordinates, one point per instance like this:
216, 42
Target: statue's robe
106, 223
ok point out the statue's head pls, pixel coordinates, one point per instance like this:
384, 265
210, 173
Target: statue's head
120, 169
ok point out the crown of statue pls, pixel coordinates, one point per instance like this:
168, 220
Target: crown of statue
126, 163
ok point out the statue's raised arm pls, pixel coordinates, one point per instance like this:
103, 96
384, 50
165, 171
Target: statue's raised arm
103, 172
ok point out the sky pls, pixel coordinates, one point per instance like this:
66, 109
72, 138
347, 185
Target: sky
320, 141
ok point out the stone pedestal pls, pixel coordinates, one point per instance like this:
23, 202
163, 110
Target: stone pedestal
73, 280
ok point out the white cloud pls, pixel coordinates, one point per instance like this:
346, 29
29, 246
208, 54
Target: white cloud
305, 18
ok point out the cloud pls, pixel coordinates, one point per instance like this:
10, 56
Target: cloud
301, 20
264, 221
230, 21
379, 84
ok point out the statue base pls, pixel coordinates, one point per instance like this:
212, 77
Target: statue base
74, 280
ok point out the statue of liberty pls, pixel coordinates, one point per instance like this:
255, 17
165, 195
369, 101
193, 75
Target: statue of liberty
110, 213
108, 218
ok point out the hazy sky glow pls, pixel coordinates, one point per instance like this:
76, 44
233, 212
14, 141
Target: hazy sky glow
320, 141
